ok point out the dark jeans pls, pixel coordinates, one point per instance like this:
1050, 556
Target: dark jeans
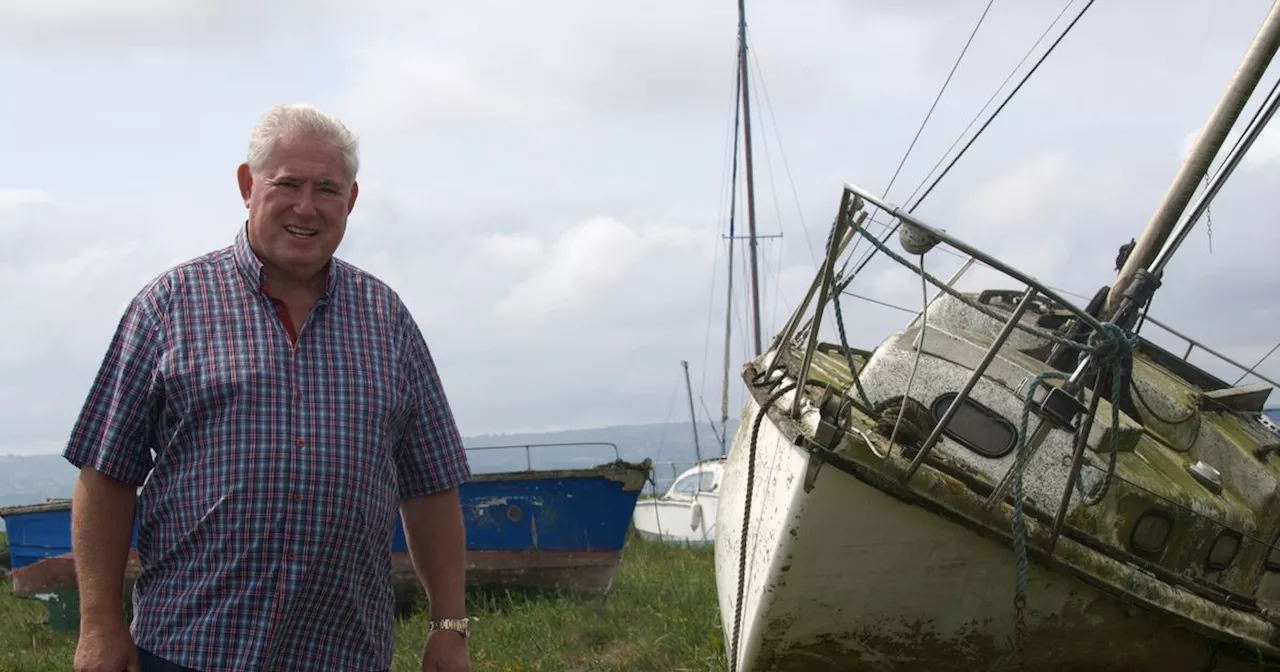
153, 663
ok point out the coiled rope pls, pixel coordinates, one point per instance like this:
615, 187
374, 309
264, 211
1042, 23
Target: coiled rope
1110, 348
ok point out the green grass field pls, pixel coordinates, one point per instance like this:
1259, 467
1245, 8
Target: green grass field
661, 615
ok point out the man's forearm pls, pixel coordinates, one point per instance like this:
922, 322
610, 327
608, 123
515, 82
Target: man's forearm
101, 524
437, 544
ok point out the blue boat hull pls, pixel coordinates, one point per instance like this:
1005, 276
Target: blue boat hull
561, 529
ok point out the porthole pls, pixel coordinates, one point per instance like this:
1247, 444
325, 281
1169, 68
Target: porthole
976, 427
1151, 532
1224, 550
1273, 557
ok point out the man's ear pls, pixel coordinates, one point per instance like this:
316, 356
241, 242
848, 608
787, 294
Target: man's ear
355, 191
245, 178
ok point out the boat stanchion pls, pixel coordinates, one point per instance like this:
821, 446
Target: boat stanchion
1077, 461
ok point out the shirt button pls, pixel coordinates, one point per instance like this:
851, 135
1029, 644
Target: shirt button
298, 443
296, 498
298, 395
293, 556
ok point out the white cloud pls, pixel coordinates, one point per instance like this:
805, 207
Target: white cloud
13, 199
584, 266
513, 250
1188, 141
528, 64
202, 25
1265, 151
89, 11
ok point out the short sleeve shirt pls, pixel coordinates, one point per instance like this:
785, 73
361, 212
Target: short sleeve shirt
270, 470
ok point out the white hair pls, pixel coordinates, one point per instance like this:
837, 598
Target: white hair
305, 120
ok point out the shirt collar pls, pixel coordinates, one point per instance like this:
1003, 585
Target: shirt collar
246, 261
251, 267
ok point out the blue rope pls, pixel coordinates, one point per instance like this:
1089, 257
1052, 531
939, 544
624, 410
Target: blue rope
1110, 348
848, 352
1019, 522
844, 339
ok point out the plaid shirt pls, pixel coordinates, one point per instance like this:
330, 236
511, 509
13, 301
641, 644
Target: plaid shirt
270, 503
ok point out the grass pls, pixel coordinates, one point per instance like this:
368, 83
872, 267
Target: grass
661, 615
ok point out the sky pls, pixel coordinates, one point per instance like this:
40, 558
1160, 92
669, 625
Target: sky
545, 184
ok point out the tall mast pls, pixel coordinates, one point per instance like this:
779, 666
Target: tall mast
745, 85
1197, 163
728, 304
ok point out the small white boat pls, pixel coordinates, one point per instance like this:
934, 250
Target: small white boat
686, 512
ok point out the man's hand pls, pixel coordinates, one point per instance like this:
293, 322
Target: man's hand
101, 519
436, 538
446, 651
107, 648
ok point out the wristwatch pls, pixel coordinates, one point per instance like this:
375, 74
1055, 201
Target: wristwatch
458, 625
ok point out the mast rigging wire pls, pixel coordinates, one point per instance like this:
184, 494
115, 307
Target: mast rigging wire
871, 253
938, 98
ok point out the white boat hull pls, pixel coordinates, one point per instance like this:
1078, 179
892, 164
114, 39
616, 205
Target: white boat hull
843, 576
681, 522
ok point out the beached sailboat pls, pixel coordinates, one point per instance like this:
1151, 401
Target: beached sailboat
1011, 480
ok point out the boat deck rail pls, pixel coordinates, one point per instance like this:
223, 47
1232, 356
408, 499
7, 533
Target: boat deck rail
660, 482
1060, 406
528, 448
1040, 288
918, 238
1193, 345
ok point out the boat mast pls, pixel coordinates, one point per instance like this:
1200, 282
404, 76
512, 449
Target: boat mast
728, 304
693, 417
744, 83
1195, 166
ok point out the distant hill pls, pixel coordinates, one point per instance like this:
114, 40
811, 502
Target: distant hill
31, 479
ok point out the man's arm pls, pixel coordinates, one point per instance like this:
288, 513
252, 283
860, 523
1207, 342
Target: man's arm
436, 538
110, 444
101, 524
431, 463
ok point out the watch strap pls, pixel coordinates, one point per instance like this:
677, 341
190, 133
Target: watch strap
458, 625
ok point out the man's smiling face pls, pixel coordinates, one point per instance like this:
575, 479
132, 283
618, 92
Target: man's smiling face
298, 201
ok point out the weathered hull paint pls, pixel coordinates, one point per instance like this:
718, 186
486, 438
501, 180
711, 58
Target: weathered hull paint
844, 576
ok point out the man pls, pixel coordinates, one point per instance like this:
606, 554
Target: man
275, 405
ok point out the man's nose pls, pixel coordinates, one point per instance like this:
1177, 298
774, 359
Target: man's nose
305, 205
